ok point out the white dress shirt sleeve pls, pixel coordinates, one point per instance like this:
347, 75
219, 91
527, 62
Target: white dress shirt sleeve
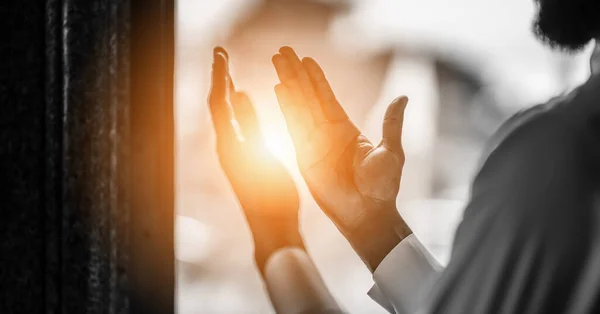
404, 277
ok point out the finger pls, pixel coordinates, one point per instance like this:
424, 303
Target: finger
218, 91
230, 92
220, 110
222, 51
288, 79
287, 76
292, 115
331, 107
392, 125
312, 101
246, 116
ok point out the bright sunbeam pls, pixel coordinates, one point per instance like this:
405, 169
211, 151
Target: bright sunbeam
279, 144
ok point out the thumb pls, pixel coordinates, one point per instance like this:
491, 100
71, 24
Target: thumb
392, 125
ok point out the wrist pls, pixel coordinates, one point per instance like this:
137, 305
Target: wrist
381, 230
271, 234
262, 254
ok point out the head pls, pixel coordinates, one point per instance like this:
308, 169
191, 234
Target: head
567, 24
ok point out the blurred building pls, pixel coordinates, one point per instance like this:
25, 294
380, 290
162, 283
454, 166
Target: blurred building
303, 25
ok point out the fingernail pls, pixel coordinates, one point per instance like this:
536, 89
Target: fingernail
221, 50
276, 58
219, 58
402, 99
284, 48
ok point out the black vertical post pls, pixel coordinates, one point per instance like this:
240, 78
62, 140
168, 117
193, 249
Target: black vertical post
86, 156
22, 160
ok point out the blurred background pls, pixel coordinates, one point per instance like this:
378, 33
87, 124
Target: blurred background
466, 66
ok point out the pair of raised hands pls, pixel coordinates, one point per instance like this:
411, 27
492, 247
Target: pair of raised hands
353, 181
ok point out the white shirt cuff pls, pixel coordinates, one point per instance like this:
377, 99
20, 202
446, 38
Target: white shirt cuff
404, 277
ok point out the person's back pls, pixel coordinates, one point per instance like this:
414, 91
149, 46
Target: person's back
529, 242
530, 238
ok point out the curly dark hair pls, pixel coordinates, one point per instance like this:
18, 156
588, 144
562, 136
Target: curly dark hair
567, 24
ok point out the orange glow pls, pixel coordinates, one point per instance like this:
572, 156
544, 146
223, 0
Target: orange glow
275, 134
279, 144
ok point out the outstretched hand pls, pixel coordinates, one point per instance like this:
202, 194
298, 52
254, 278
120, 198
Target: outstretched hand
264, 188
354, 182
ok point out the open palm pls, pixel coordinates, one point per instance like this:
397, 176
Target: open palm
351, 179
261, 183
264, 188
